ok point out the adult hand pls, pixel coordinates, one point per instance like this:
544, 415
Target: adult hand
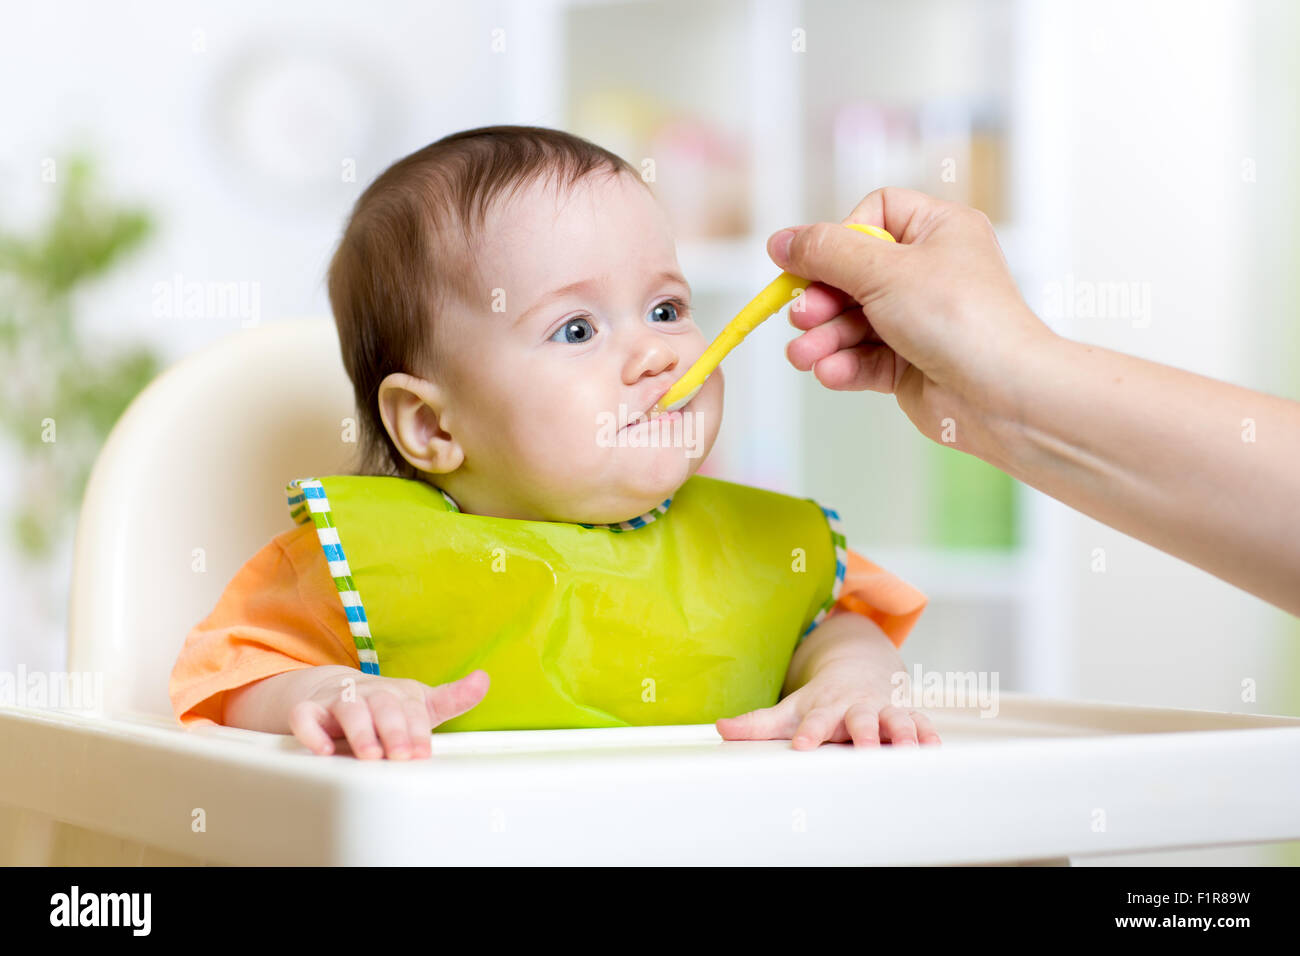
1202, 469
935, 319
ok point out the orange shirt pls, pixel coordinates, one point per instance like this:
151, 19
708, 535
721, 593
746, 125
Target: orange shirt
281, 611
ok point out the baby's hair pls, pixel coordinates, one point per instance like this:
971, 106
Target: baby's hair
399, 262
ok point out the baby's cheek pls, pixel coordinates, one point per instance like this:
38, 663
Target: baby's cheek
555, 449
588, 443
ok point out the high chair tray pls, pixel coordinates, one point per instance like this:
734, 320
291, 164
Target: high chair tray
1041, 780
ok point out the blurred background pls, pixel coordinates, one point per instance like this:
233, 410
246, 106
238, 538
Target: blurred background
174, 172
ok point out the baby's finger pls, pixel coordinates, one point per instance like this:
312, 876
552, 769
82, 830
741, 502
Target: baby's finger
896, 723
863, 725
418, 726
390, 722
925, 729
451, 700
817, 725
767, 723
307, 722
359, 728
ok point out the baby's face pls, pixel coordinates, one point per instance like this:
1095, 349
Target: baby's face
587, 323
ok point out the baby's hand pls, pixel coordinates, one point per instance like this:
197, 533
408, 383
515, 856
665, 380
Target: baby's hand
845, 700
404, 712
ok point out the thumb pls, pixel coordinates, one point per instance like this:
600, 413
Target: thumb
853, 262
767, 723
453, 699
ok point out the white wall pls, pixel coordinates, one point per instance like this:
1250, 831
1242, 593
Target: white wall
1160, 121
336, 80
145, 87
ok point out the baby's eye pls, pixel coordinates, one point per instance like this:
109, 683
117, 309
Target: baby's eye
574, 332
667, 311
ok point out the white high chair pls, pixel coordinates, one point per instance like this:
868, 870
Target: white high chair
188, 487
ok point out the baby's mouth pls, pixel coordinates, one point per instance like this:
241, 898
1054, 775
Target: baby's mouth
651, 413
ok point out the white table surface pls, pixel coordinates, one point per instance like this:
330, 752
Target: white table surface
1042, 780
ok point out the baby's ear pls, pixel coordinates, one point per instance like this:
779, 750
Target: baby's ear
412, 410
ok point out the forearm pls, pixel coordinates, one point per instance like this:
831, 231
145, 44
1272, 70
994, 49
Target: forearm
1201, 469
841, 635
265, 704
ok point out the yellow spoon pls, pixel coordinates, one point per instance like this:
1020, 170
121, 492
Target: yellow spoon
777, 294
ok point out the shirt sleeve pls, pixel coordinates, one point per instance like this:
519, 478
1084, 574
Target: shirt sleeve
280, 612
875, 593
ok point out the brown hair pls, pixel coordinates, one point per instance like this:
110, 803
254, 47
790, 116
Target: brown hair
395, 268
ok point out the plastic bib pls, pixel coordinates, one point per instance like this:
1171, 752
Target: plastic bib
682, 616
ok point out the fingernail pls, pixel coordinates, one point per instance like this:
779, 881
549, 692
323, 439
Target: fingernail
781, 245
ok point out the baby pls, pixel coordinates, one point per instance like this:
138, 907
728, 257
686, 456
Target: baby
510, 309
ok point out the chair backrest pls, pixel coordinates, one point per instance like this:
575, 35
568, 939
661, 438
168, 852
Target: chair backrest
189, 485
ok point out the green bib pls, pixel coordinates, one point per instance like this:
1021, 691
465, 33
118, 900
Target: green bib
686, 614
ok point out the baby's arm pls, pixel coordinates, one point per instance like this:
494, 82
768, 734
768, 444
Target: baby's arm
276, 654
850, 684
265, 704
317, 704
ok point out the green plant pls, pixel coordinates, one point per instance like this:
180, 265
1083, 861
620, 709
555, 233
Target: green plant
62, 393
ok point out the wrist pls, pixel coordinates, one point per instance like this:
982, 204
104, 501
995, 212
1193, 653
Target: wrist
265, 704
999, 412
852, 638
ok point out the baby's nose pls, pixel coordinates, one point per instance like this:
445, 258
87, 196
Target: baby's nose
651, 357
